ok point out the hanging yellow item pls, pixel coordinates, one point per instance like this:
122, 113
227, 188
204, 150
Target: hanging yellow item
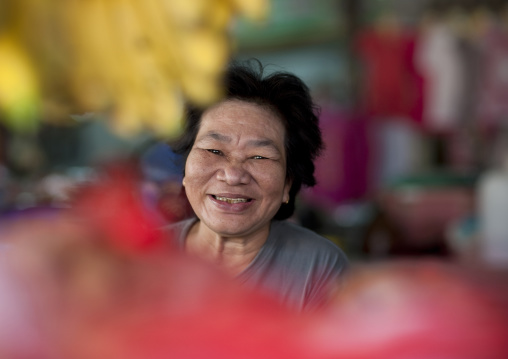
19, 89
135, 62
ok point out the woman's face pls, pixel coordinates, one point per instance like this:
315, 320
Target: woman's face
235, 175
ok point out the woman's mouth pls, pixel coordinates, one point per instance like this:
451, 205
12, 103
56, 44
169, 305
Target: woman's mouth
232, 200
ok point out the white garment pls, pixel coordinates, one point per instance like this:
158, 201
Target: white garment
396, 149
438, 59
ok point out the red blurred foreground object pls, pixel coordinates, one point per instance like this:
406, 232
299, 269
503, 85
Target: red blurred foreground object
114, 207
98, 281
417, 309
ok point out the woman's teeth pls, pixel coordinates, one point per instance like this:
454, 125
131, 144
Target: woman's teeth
231, 200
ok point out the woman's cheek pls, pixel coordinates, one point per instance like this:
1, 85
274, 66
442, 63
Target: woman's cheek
198, 167
268, 171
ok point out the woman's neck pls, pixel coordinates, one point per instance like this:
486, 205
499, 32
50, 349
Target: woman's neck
234, 254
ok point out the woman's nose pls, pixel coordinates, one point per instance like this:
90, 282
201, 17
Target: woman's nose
234, 173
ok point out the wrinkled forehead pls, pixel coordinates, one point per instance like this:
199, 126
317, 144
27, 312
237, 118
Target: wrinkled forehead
239, 116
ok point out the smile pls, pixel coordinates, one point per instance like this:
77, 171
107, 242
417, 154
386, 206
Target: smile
232, 200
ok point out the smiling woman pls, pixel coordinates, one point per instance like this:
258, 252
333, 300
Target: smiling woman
246, 159
235, 174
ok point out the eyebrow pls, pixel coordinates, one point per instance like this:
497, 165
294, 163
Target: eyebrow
224, 138
215, 136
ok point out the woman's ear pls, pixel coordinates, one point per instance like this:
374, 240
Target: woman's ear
287, 188
183, 181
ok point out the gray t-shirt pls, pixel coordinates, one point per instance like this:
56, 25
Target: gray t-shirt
295, 264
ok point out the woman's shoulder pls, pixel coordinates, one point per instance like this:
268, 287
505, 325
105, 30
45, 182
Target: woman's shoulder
292, 235
178, 231
180, 225
301, 264
295, 232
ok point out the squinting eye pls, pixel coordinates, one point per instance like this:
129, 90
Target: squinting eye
215, 152
259, 158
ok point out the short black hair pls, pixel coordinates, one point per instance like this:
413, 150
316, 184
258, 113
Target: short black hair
288, 97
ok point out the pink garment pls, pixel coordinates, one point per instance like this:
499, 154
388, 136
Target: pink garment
392, 86
342, 170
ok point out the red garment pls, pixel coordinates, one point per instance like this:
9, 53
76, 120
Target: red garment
392, 87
